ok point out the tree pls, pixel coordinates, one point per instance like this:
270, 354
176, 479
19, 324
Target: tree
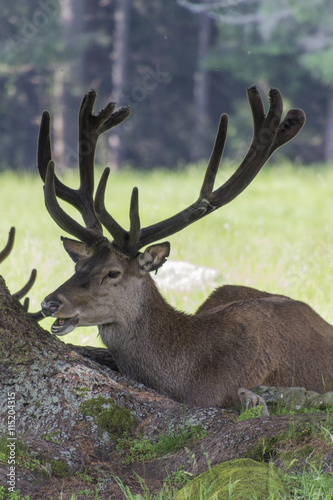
24, 76
288, 43
119, 72
66, 70
316, 40
178, 68
201, 90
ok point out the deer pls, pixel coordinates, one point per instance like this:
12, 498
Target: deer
239, 337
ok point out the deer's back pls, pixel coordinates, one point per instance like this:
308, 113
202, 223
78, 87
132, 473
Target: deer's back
269, 340
231, 293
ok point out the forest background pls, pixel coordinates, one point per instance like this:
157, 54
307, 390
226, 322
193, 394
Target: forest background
178, 64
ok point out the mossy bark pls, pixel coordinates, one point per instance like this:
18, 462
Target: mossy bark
240, 479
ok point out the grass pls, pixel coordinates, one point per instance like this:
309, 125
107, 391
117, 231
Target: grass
275, 236
311, 484
174, 439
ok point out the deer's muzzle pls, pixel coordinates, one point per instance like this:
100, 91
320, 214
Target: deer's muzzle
49, 308
61, 326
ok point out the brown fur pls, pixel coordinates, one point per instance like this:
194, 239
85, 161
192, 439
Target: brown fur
239, 337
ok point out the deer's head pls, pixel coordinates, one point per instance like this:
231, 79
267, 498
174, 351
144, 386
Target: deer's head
109, 273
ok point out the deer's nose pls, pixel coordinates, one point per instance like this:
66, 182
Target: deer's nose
50, 307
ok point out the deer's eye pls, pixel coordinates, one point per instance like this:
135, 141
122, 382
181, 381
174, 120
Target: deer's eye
113, 274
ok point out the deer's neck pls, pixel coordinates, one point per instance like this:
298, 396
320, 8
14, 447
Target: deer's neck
145, 338
144, 317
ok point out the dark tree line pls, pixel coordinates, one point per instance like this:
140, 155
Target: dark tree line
179, 65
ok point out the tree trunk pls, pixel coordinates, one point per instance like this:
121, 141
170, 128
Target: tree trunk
118, 74
201, 91
329, 127
64, 120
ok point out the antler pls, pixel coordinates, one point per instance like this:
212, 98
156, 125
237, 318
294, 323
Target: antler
9, 245
90, 128
27, 287
269, 134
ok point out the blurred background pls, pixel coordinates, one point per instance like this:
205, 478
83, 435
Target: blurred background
179, 64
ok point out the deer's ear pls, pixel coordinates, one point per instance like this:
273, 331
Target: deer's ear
75, 249
153, 257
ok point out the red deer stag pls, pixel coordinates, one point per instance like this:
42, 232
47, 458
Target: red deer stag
242, 339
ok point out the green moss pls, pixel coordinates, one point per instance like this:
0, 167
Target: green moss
241, 479
109, 416
59, 468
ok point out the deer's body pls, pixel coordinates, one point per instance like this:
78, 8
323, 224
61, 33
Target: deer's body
203, 359
239, 337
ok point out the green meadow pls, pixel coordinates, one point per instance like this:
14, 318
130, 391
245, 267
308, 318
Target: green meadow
276, 236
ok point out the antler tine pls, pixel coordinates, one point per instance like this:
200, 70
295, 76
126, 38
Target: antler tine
126, 241
90, 128
44, 156
89, 132
289, 127
116, 231
135, 227
26, 304
262, 146
268, 135
65, 221
37, 316
9, 245
215, 158
21, 293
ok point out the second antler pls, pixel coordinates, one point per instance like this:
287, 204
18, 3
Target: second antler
27, 287
269, 133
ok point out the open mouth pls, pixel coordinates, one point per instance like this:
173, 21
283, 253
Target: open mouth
62, 326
